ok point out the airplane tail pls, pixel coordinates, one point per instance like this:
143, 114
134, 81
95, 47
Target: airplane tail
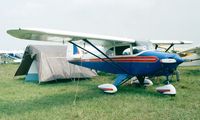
75, 50
74, 53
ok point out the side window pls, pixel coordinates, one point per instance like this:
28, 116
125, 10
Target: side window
110, 52
120, 49
136, 50
123, 50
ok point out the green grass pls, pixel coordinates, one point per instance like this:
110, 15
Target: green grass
25, 100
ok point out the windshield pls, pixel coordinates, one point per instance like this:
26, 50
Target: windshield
136, 50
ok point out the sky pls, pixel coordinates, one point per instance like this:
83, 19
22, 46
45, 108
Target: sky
137, 19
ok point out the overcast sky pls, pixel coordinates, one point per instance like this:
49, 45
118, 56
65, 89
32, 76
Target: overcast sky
137, 19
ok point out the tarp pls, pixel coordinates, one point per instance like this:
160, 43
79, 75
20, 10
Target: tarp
51, 63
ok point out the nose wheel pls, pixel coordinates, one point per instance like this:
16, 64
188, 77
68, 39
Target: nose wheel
167, 81
167, 89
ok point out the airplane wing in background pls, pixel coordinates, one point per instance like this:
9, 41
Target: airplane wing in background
194, 50
190, 52
168, 42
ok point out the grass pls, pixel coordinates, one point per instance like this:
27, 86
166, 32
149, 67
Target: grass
25, 100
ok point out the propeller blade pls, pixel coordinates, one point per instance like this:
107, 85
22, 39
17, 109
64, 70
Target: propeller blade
190, 60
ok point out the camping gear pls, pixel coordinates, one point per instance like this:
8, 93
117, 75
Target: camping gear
48, 62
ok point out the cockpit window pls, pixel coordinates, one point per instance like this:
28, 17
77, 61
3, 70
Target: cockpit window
110, 52
135, 51
124, 50
118, 50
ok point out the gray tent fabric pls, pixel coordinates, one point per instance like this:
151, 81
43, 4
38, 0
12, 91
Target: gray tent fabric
52, 63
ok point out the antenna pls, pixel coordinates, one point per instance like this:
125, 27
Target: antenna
63, 41
77, 85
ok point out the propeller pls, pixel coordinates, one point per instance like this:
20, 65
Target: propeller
190, 60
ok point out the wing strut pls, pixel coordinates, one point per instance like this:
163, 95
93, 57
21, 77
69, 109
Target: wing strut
114, 63
169, 47
118, 67
86, 50
156, 46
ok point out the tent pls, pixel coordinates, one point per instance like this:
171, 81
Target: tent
48, 62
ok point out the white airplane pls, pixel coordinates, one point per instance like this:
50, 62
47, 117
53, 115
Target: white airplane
190, 54
14, 55
125, 57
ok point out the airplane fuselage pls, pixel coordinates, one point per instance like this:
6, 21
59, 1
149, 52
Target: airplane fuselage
145, 63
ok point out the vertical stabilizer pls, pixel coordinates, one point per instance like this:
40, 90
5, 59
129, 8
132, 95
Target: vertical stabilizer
75, 50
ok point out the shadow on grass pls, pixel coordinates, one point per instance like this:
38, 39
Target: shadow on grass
22, 79
67, 98
64, 81
139, 91
45, 102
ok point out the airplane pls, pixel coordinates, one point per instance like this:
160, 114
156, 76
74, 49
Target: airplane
190, 54
125, 57
11, 55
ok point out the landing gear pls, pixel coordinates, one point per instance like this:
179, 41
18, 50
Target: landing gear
177, 73
169, 78
112, 88
167, 81
141, 80
147, 82
167, 89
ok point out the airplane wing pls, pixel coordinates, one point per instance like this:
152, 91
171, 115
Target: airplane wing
59, 36
168, 42
190, 52
62, 36
194, 50
66, 36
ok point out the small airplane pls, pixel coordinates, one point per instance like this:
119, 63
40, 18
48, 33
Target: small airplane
188, 54
125, 57
11, 55
192, 54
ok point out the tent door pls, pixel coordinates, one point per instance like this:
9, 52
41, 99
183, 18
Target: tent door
33, 72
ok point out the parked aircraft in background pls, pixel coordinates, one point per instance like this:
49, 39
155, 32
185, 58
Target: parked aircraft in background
11, 56
194, 54
190, 54
125, 57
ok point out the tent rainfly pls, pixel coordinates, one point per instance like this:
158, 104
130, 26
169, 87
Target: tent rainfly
48, 62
